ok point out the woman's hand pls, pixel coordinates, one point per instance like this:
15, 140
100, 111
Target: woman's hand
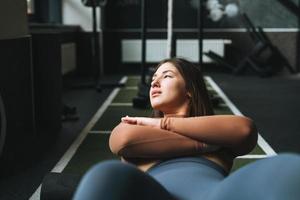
143, 121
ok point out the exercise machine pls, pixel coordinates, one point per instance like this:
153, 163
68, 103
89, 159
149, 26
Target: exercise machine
97, 46
69, 112
264, 58
142, 98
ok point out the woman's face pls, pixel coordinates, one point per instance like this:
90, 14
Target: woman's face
168, 91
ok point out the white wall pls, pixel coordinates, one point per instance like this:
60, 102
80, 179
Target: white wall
75, 13
13, 20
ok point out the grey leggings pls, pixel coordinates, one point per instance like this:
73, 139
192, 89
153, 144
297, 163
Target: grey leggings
192, 178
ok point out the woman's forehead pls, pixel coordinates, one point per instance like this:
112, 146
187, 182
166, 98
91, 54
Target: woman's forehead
166, 67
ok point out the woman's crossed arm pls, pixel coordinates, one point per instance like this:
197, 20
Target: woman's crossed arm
173, 136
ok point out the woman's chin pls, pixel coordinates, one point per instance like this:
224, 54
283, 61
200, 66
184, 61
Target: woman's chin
156, 106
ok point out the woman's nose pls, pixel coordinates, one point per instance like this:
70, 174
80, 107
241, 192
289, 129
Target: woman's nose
155, 82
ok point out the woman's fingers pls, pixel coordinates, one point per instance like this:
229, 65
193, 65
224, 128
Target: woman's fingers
129, 120
143, 121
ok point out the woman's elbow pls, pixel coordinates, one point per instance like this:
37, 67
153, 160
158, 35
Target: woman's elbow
114, 144
251, 131
248, 127
118, 139
249, 136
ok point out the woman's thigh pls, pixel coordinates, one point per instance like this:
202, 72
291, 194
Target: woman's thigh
115, 180
273, 178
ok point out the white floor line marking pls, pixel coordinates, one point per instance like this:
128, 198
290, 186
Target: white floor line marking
261, 142
36, 195
62, 163
131, 88
120, 104
135, 77
266, 147
252, 156
99, 132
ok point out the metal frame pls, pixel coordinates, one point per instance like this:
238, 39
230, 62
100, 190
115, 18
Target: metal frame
2, 125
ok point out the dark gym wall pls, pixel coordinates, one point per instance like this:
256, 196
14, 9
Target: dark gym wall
13, 20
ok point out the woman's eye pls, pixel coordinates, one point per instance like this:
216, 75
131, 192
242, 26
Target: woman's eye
167, 76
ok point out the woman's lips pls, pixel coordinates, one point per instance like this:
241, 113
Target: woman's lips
155, 93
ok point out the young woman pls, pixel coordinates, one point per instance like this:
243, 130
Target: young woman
185, 152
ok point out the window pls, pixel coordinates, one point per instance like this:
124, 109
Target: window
30, 6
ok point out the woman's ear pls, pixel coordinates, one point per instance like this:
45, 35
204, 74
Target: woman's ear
188, 94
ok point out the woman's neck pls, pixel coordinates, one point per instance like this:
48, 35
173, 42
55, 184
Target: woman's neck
182, 111
175, 115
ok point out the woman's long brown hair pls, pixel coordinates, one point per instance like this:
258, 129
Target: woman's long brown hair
200, 104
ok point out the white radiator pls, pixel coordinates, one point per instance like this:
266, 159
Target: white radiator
156, 49
68, 57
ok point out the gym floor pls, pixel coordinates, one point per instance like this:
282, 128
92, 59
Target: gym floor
270, 102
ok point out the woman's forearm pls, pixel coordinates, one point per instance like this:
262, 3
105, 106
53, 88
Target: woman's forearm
148, 142
182, 136
234, 132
